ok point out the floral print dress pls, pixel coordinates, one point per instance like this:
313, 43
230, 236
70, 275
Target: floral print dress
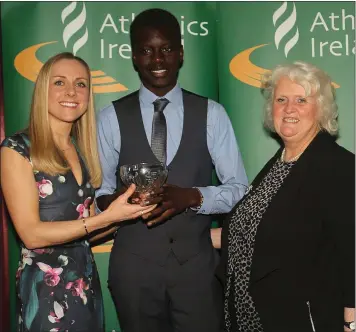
58, 287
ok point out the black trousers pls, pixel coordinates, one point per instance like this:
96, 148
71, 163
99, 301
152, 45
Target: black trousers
171, 298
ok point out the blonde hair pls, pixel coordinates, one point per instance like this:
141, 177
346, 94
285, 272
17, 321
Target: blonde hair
313, 80
45, 154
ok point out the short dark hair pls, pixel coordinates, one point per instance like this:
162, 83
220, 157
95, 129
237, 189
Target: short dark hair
155, 18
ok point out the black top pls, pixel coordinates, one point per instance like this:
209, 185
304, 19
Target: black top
304, 258
240, 311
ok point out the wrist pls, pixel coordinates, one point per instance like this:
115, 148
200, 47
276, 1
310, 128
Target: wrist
85, 227
198, 200
349, 325
97, 222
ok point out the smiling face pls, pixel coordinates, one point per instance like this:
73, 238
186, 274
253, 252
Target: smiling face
295, 116
68, 91
157, 59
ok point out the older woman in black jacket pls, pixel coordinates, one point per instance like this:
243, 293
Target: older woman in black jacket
288, 246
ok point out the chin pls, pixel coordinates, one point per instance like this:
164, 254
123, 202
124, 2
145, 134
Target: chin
159, 81
72, 118
70, 121
288, 132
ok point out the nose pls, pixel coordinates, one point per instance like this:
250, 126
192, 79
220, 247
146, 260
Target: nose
158, 56
70, 91
289, 107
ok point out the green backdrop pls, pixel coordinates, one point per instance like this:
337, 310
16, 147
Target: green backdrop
227, 47
322, 33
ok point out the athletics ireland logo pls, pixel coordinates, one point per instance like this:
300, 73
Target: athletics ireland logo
28, 65
286, 37
74, 26
285, 27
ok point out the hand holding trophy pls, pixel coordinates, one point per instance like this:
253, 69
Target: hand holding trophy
148, 179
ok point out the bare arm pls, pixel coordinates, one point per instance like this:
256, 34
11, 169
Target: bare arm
21, 197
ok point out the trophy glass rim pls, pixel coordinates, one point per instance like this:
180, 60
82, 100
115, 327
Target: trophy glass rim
145, 164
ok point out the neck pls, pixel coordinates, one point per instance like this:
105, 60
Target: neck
160, 92
61, 134
292, 151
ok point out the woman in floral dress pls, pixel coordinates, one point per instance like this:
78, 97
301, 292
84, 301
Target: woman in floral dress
48, 176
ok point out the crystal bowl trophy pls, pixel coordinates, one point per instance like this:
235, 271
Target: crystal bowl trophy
145, 176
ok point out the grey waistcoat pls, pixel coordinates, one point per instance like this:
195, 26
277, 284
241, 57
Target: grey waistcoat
185, 234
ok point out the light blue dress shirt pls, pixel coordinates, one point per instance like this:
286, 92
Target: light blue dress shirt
221, 142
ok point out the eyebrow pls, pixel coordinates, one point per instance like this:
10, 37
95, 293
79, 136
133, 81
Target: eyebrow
78, 78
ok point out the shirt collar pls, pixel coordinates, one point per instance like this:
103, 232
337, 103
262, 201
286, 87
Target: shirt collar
174, 96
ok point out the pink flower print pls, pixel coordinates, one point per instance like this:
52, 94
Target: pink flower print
43, 251
39, 251
27, 256
77, 287
45, 188
26, 259
51, 276
83, 209
56, 315
53, 318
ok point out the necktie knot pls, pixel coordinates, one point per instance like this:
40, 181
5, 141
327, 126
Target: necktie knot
160, 104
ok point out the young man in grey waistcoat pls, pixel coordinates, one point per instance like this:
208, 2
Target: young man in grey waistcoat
161, 270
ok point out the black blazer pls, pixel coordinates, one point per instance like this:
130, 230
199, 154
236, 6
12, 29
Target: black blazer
303, 267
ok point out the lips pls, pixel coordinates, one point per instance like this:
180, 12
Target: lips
159, 72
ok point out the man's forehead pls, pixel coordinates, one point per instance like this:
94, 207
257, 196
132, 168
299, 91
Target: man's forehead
151, 33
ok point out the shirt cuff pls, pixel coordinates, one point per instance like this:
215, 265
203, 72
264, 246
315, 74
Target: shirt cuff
207, 201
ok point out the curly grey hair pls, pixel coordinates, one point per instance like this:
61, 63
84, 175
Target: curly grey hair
312, 79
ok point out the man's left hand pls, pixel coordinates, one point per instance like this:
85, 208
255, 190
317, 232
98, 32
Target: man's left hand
175, 200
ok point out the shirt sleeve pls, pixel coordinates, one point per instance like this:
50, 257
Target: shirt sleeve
109, 143
226, 157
